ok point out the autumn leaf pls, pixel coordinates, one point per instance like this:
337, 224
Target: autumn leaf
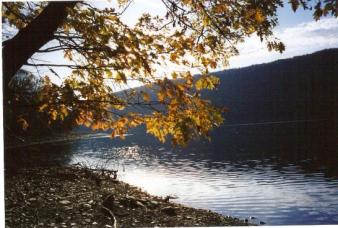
109, 73
207, 82
120, 77
146, 97
173, 57
161, 96
259, 16
23, 123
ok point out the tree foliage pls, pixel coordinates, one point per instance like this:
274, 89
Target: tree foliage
104, 54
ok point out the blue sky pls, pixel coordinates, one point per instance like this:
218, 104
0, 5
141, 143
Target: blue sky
288, 18
298, 31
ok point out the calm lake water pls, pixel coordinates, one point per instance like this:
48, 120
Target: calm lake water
282, 174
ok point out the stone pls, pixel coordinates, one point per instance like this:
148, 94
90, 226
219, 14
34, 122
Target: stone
86, 205
109, 202
139, 204
64, 202
58, 219
153, 203
171, 211
68, 208
121, 212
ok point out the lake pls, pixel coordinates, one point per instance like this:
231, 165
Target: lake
282, 173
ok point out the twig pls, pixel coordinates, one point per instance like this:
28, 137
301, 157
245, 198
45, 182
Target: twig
111, 215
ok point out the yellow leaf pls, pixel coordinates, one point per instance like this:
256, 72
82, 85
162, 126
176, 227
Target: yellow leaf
220, 8
161, 96
53, 114
119, 76
64, 110
118, 107
43, 107
122, 136
173, 57
259, 17
23, 123
108, 73
207, 82
146, 97
206, 21
200, 48
174, 75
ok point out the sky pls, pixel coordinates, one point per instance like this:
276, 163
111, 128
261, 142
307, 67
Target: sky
298, 31
302, 38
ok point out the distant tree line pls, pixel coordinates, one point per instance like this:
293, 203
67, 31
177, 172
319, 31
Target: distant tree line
22, 117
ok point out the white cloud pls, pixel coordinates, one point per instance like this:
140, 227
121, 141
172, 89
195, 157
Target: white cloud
301, 39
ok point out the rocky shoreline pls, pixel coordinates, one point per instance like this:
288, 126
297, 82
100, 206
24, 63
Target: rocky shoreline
71, 196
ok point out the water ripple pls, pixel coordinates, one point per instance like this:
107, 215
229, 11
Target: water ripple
275, 192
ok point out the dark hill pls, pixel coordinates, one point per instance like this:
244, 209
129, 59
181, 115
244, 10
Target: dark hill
287, 109
300, 88
287, 106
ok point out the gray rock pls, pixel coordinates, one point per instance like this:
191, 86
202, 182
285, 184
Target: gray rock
68, 208
64, 202
153, 202
139, 204
86, 205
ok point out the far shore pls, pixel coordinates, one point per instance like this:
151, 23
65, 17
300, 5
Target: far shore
73, 196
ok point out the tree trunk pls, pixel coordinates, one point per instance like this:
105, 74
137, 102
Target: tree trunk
30, 39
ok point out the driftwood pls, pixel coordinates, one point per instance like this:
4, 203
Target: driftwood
169, 197
109, 202
111, 214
